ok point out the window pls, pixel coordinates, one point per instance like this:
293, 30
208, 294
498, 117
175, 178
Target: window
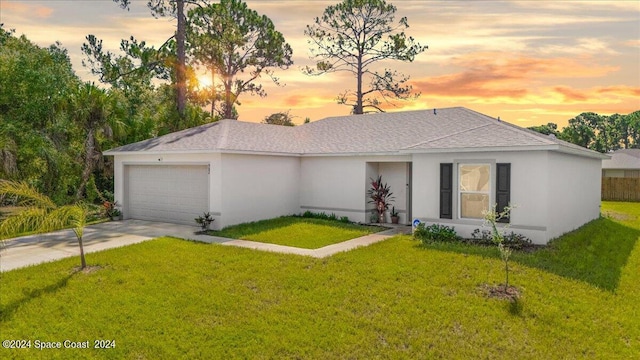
474, 189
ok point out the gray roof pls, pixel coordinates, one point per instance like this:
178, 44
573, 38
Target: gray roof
623, 159
448, 129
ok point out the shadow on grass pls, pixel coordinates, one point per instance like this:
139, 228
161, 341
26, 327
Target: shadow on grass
596, 253
7, 311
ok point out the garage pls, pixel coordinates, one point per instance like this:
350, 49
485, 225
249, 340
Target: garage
166, 193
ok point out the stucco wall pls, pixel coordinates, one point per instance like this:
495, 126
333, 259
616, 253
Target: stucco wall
529, 190
614, 173
339, 184
256, 187
395, 175
574, 192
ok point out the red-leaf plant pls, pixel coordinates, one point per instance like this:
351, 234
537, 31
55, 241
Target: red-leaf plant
381, 196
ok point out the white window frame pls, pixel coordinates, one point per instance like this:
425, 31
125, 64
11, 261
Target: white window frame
460, 192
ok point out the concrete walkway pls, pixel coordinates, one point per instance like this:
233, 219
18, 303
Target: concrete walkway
36, 249
323, 251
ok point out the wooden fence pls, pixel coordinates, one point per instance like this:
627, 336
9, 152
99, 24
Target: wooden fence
620, 189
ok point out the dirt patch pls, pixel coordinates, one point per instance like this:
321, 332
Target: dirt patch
87, 270
618, 216
499, 291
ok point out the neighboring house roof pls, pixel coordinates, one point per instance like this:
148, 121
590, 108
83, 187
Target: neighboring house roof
623, 159
449, 129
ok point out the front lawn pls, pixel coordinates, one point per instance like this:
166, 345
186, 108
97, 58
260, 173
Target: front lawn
297, 231
169, 298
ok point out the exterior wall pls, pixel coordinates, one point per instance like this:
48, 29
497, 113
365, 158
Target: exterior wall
372, 171
529, 190
213, 160
621, 173
553, 193
395, 175
257, 187
616, 173
574, 192
339, 184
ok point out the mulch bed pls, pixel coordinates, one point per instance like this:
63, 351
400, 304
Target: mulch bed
499, 292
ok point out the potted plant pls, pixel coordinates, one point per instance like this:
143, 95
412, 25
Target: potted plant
204, 221
380, 195
111, 210
394, 215
116, 214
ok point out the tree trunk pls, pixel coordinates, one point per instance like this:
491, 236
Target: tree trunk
83, 262
181, 86
358, 110
91, 156
213, 91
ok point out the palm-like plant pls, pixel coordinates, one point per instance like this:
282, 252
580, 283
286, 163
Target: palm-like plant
381, 196
41, 214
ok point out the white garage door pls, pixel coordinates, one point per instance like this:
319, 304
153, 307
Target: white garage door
167, 193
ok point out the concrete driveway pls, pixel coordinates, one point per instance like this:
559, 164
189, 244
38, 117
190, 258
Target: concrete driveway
35, 249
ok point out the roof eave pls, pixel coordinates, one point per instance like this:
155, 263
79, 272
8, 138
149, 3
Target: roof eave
480, 149
355, 153
202, 151
158, 152
582, 152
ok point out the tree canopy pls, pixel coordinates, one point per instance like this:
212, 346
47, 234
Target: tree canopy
598, 132
237, 46
279, 118
53, 126
354, 36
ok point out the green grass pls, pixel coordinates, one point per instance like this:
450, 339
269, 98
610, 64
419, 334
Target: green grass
169, 298
296, 231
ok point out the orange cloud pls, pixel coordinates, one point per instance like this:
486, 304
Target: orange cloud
41, 12
570, 94
620, 90
490, 75
469, 83
295, 100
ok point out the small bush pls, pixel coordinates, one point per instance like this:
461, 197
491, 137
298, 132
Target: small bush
435, 233
204, 220
511, 240
323, 216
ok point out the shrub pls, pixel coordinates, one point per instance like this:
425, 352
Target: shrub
323, 216
204, 220
435, 233
511, 240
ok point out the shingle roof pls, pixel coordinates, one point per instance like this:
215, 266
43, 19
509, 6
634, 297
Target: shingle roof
224, 135
401, 132
623, 159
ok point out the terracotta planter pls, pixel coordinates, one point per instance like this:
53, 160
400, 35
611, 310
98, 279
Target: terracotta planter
395, 219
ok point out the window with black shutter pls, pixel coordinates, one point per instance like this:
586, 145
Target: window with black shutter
446, 191
503, 188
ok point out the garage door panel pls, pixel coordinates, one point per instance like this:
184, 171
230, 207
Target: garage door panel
168, 193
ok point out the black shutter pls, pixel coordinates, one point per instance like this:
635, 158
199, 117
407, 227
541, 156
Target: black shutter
503, 188
446, 191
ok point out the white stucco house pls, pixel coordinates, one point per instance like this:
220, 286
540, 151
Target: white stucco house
443, 166
624, 163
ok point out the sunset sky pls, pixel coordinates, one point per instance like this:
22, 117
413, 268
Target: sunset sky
528, 62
